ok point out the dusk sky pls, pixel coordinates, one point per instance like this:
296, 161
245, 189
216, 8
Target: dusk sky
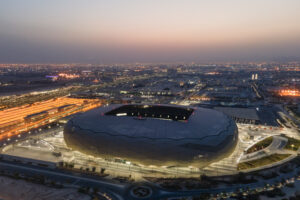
110, 31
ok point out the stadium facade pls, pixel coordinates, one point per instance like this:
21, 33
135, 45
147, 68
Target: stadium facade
160, 135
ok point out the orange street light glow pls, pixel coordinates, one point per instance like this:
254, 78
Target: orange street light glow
13, 120
295, 93
68, 76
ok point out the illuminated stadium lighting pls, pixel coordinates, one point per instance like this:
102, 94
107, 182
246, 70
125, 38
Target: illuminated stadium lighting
170, 135
121, 114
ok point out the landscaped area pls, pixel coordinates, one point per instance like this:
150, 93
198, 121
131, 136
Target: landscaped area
292, 144
260, 145
262, 161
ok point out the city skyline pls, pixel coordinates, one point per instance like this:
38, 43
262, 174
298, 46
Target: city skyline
148, 31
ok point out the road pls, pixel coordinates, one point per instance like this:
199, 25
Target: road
123, 191
60, 176
19, 113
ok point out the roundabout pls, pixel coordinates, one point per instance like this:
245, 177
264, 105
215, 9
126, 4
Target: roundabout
141, 192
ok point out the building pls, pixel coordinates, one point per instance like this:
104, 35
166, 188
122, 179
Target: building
160, 135
240, 115
36, 116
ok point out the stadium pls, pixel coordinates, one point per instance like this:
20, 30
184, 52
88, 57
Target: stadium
153, 135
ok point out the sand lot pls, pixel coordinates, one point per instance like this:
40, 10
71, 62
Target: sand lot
11, 189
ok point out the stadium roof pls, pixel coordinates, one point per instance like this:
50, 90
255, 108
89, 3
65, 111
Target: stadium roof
201, 124
242, 113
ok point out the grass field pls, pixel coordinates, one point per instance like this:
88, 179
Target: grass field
260, 145
292, 144
262, 161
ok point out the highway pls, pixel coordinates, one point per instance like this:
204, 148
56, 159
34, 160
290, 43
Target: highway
16, 116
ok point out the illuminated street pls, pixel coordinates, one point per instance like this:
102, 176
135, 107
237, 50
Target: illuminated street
150, 100
12, 121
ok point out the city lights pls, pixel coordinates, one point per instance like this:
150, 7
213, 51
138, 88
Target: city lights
68, 76
289, 92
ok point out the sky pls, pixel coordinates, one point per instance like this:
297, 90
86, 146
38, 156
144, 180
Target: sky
116, 31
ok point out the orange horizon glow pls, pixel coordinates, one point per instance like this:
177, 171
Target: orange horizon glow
148, 30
